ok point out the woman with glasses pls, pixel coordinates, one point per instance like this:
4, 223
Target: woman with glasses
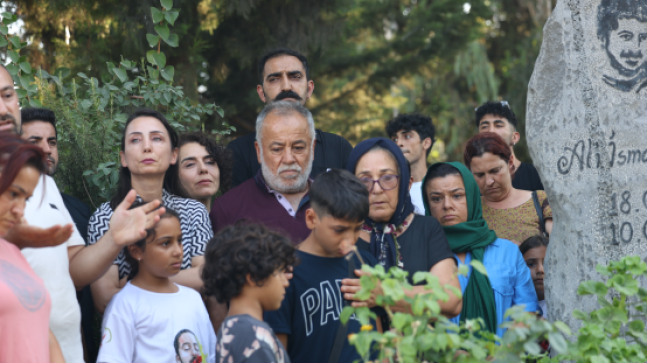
514, 214
392, 232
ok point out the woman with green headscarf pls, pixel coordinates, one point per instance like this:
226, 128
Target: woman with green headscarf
451, 195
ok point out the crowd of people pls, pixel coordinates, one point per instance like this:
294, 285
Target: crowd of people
249, 253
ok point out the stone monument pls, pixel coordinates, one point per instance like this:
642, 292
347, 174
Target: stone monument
586, 111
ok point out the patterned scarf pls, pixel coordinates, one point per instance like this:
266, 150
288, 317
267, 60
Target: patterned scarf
383, 244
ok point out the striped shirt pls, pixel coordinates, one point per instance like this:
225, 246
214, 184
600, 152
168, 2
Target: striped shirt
194, 222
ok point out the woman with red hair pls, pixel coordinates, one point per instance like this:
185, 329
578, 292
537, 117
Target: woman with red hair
513, 214
25, 304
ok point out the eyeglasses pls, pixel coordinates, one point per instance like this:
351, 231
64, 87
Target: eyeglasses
386, 182
503, 103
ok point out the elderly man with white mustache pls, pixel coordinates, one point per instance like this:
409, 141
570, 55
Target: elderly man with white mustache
278, 195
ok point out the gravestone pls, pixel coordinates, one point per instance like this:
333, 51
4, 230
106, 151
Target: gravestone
586, 115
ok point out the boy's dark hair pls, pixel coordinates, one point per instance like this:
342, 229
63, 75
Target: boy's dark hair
499, 108
533, 242
32, 114
278, 52
221, 155
150, 236
339, 194
240, 250
421, 124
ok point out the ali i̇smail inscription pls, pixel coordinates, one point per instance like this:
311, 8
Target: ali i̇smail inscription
586, 125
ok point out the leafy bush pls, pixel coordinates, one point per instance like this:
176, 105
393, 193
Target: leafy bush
91, 114
613, 333
616, 331
414, 338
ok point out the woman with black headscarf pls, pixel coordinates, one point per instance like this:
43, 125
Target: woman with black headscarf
392, 232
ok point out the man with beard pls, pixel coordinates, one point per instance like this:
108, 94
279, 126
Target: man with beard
277, 195
622, 27
187, 347
284, 75
498, 117
67, 263
39, 128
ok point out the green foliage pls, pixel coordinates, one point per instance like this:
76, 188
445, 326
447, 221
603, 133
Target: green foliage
424, 335
613, 333
369, 59
616, 331
20, 70
91, 113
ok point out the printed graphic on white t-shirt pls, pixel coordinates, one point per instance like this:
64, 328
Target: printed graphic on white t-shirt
143, 326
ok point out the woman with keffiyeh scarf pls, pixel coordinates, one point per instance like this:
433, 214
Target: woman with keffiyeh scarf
393, 233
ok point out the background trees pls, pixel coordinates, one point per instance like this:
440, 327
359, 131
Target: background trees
369, 59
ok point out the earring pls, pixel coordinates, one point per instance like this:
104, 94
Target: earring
139, 259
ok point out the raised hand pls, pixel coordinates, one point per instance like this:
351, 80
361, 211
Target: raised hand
129, 226
25, 236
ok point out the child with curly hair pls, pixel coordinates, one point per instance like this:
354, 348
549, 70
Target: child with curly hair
245, 265
153, 319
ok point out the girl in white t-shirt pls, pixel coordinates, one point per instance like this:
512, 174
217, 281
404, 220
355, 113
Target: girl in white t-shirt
152, 319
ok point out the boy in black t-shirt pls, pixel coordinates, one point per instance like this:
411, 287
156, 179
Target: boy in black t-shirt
308, 320
245, 265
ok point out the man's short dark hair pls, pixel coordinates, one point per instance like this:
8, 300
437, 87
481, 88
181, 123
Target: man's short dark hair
240, 250
279, 52
339, 194
421, 124
498, 108
32, 114
609, 11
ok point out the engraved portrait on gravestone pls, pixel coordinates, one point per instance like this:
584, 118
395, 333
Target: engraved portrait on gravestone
622, 27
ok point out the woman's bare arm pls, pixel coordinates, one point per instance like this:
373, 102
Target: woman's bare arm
55, 353
549, 225
106, 287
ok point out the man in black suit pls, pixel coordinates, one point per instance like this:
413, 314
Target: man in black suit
284, 75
